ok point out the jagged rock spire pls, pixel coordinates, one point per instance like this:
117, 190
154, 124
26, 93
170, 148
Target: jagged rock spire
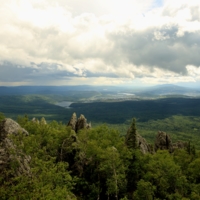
81, 123
73, 121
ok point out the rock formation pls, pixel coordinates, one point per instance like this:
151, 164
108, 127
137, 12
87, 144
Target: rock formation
42, 121
81, 123
9, 154
35, 120
164, 142
8, 126
73, 121
143, 145
179, 145
133, 137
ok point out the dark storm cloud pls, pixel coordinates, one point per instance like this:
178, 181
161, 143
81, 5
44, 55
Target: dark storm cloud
43, 72
159, 47
13, 73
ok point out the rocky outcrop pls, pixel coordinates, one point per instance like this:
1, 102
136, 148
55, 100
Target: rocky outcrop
79, 124
163, 141
8, 126
143, 145
134, 140
140, 143
178, 145
82, 123
9, 155
35, 120
42, 121
73, 121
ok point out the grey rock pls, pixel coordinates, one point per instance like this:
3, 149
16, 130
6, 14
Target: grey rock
41, 121
73, 121
9, 154
163, 141
178, 145
79, 124
8, 126
143, 145
35, 120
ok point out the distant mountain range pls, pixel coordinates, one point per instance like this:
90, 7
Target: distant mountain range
169, 89
159, 90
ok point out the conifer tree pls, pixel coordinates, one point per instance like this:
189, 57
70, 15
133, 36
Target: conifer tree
131, 136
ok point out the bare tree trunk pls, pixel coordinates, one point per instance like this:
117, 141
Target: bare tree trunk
115, 175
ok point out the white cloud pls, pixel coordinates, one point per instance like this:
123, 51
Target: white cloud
193, 71
113, 40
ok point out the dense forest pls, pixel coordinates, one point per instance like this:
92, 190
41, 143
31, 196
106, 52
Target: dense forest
97, 163
179, 117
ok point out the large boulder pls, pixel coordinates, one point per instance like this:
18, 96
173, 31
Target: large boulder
9, 154
8, 126
79, 124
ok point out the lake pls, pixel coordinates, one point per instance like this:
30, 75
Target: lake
64, 104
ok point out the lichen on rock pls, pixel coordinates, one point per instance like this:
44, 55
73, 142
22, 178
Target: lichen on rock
9, 153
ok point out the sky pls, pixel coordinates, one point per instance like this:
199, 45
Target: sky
99, 42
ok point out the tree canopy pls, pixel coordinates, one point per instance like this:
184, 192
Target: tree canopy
97, 163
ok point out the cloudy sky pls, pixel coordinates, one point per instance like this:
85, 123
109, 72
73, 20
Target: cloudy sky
110, 42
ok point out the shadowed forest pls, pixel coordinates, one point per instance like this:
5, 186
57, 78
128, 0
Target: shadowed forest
180, 117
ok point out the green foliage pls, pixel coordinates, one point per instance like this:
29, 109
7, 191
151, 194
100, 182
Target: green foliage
145, 190
163, 172
131, 136
109, 112
96, 164
2, 116
195, 193
47, 179
102, 152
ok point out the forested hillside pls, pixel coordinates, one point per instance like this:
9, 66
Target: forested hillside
179, 117
95, 163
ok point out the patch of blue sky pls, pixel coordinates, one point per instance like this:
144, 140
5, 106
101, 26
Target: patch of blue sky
158, 3
155, 4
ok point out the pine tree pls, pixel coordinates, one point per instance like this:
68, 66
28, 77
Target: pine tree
131, 136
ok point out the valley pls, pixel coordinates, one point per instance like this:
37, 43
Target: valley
70, 162
167, 108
